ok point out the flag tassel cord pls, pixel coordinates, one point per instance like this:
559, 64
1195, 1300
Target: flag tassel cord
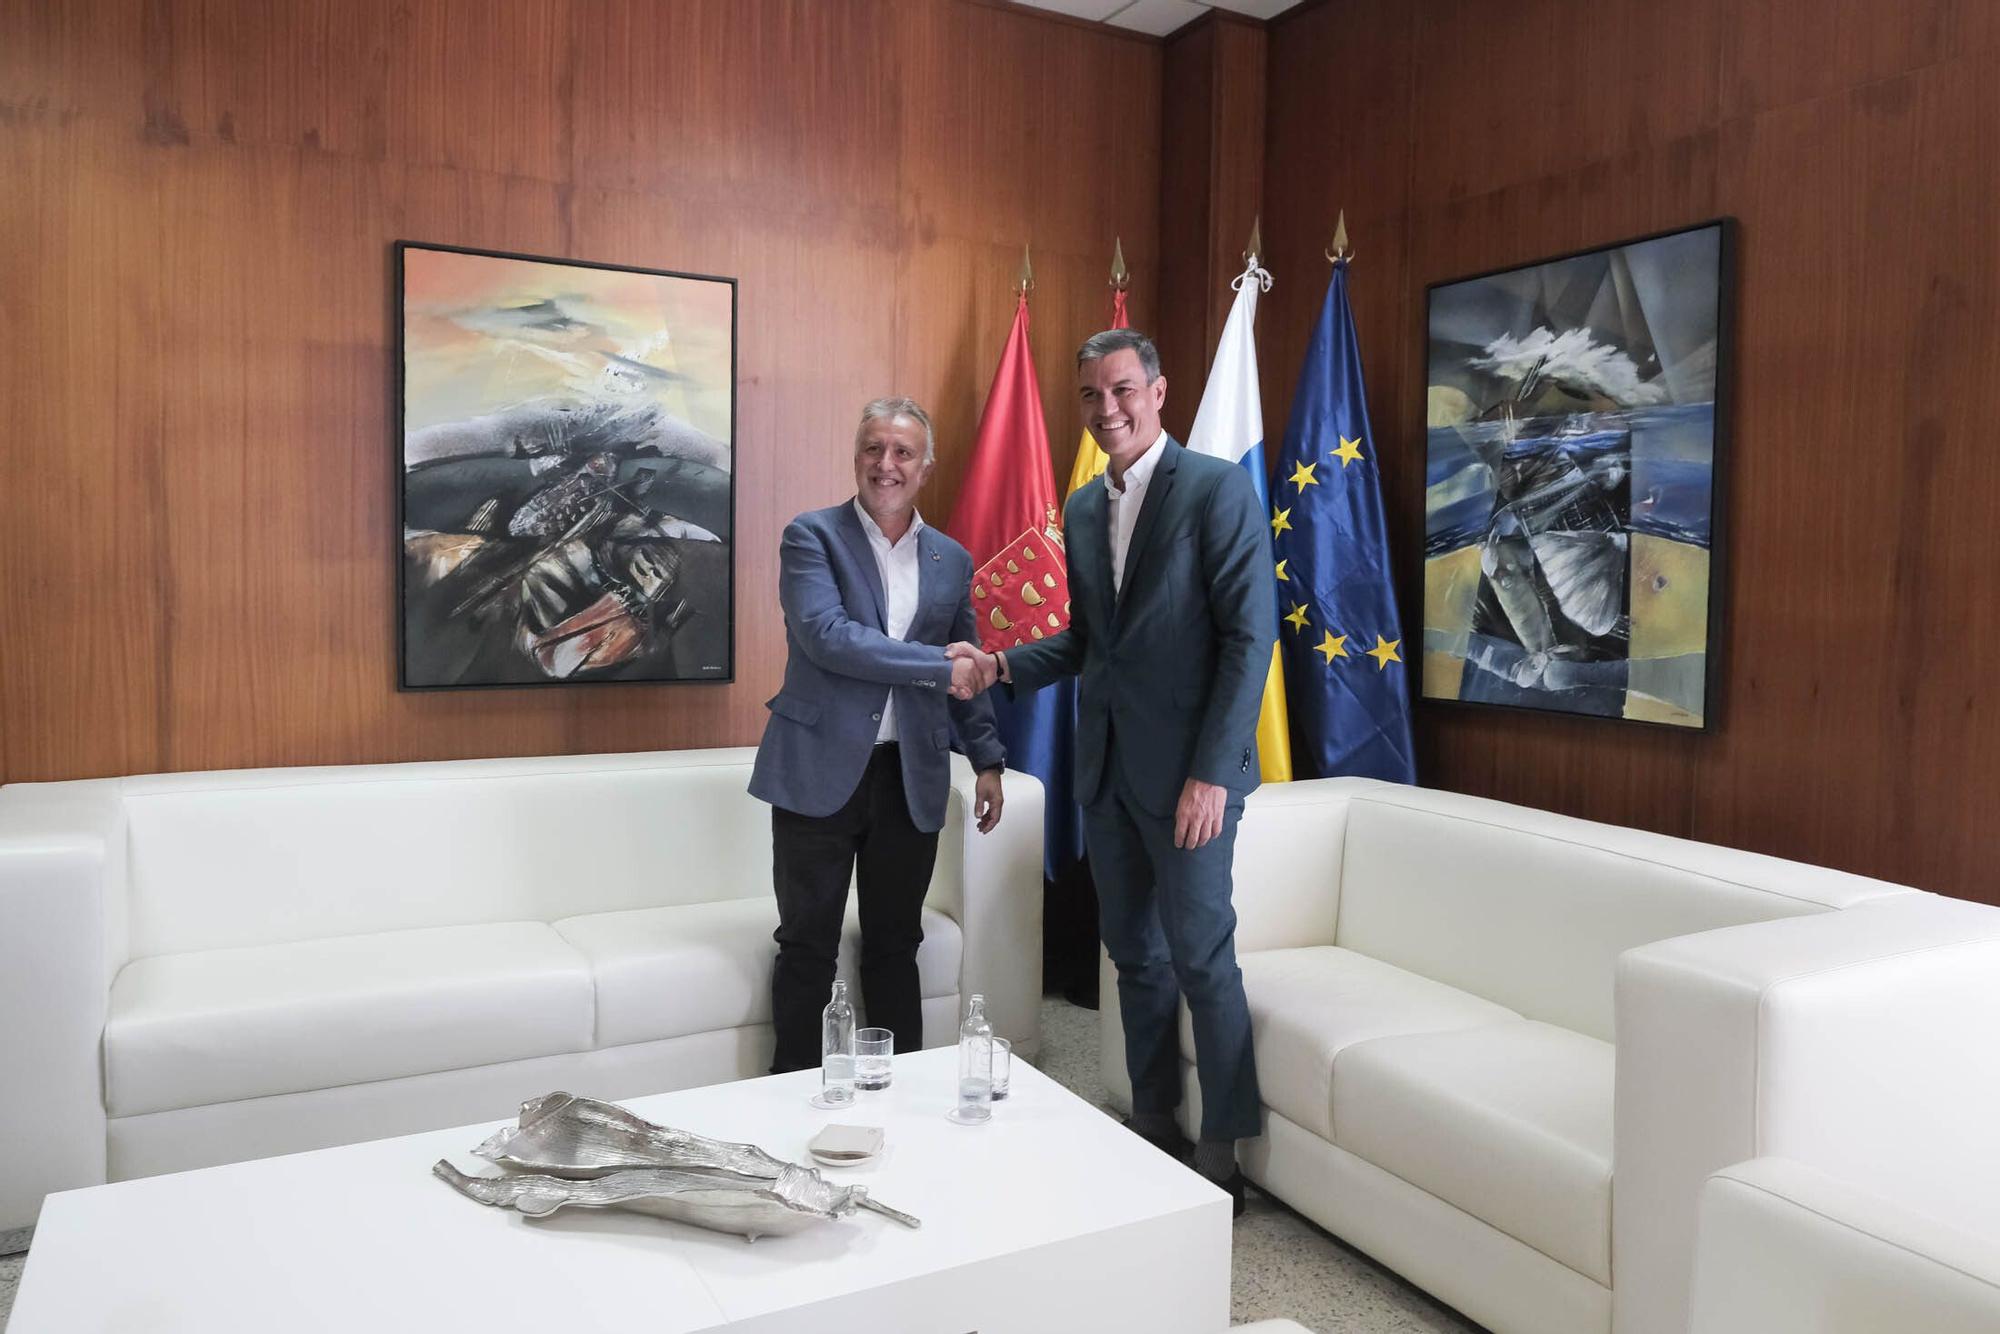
1253, 267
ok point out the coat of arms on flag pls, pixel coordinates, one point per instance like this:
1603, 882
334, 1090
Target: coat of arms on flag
1022, 593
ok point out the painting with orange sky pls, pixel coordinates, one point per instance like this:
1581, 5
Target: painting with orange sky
567, 453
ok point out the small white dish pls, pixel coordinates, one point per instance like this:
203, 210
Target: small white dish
846, 1146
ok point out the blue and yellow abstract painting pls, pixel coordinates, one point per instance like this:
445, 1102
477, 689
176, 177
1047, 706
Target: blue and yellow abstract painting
1570, 485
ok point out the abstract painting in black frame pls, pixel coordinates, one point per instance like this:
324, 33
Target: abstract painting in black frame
566, 464
1571, 519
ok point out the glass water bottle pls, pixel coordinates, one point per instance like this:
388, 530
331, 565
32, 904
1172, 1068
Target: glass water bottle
975, 1065
836, 1050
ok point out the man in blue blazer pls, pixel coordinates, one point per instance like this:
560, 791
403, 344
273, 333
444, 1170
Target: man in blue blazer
1170, 629
856, 756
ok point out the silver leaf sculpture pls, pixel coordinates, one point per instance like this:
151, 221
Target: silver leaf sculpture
572, 1151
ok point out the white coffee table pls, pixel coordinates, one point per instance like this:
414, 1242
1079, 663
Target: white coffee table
1051, 1217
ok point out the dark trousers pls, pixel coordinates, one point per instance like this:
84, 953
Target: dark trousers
871, 841
1170, 928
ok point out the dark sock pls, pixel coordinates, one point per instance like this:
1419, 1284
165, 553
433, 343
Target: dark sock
1156, 1126
1216, 1159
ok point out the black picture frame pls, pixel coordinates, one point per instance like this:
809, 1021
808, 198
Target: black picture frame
558, 523
1573, 512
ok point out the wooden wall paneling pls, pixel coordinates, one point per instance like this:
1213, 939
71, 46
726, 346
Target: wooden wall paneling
62, 62
1340, 100
483, 87
1187, 134
303, 75
1212, 187
85, 589
1779, 53
1236, 171
1861, 618
208, 191
1852, 731
1340, 104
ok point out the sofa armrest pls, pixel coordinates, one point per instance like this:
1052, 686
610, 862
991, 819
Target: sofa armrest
1787, 1249
62, 940
996, 899
1820, 1038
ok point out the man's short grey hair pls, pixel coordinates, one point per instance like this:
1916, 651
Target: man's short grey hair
898, 407
1101, 345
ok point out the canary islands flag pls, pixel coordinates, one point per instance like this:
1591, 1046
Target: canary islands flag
1341, 634
1230, 425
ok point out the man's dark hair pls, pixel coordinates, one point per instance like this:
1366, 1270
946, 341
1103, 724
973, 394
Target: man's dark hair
1101, 345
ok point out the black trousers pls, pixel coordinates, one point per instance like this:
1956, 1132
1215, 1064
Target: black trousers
813, 859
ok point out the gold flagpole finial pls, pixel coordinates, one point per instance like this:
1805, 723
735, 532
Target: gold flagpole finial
1339, 250
1256, 240
1026, 282
1121, 277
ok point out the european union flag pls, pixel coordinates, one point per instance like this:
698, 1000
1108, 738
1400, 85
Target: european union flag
1345, 669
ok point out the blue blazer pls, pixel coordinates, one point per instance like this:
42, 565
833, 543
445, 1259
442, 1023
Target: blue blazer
841, 665
1172, 665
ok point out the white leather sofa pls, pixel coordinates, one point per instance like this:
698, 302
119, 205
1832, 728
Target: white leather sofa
1875, 1203
1471, 1019
1788, 1249
202, 968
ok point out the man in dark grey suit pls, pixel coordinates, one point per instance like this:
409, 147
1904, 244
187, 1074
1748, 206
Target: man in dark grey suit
856, 756
1170, 629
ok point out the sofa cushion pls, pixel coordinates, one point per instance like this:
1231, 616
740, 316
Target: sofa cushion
260, 857
1309, 1004
667, 972
186, 1030
1510, 1122
1532, 910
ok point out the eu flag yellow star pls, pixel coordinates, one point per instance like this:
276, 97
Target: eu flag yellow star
1349, 452
1384, 652
1302, 476
1280, 520
1297, 619
1333, 646
1282, 576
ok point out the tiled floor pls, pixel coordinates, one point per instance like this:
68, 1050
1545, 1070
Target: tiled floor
10, 1279
1283, 1265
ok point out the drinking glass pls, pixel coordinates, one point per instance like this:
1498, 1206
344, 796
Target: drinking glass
1003, 1065
872, 1049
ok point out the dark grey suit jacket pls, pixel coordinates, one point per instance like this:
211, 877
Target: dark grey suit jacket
841, 664
1173, 668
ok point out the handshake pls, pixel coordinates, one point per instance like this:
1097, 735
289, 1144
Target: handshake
973, 670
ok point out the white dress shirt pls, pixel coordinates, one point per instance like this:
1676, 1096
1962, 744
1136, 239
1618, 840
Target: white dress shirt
1124, 506
897, 562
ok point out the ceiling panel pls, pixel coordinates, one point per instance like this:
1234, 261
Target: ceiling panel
1158, 17
1082, 9
1256, 9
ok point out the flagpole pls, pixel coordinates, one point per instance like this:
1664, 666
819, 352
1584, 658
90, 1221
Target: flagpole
1338, 252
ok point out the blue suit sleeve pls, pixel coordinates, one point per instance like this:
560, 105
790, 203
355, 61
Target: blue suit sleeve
834, 641
1032, 666
1242, 611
